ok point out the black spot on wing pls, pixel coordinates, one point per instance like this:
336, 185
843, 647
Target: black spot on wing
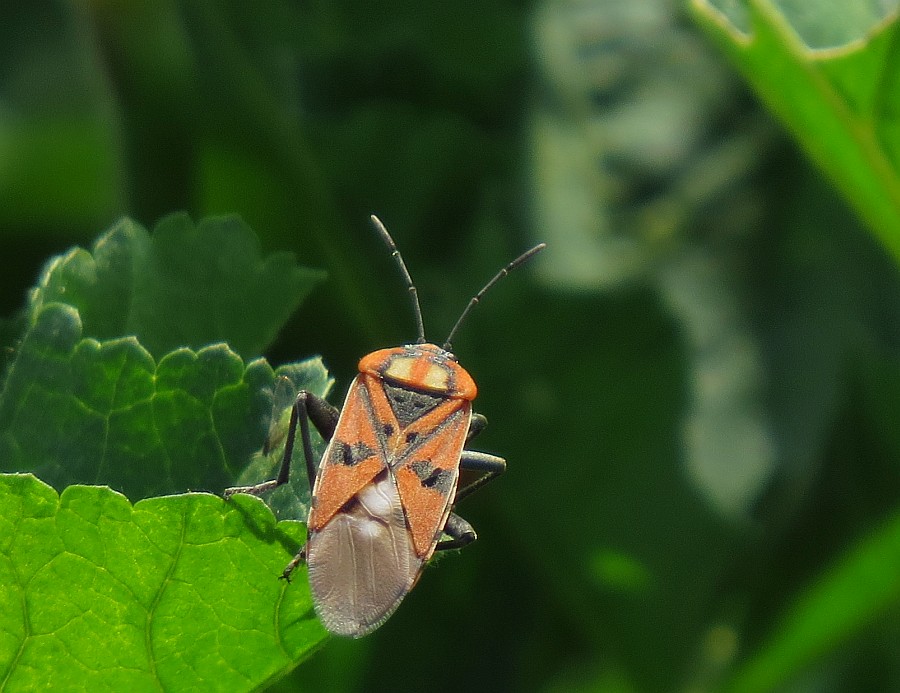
432, 477
351, 455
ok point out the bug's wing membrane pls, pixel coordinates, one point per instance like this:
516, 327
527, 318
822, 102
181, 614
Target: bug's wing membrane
363, 562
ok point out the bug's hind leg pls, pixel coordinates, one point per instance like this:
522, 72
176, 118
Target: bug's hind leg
461, 534
307, 407
295, 561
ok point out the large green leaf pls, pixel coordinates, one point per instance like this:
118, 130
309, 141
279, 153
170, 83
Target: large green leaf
847, 597
841, 103
78, 410
177, 593
185, 285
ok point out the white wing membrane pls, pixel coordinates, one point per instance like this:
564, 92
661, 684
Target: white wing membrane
362, 563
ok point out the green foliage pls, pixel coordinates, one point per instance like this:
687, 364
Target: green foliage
174, 593
182, 286
856, 591
178, 592
601, 562
839, 102
831, 77
76, 409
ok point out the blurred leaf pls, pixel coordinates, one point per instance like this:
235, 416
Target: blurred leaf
232, 177
11, 330
879, 380
373, 152
827, 287
468, 57
184, 285
834, 23
820, 25
57, 172
849, 595
593, 679
174, 594
61, 154
620, 572
598, 447
841, 104
76, 410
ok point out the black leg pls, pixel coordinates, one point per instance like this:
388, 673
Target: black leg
290, 567
491, 465
307, 407
461, 534
476, 426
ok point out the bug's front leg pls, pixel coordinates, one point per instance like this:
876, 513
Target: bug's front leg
491, 466
307, 407
461, 533
476, 426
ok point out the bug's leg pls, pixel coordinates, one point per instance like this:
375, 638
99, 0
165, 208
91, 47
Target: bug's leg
491, 465
307, 407
324, 417
476, 426
461, 534
295, 561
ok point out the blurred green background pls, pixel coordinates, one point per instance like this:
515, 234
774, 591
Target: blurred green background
694, 386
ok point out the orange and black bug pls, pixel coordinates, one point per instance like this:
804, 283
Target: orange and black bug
384, 491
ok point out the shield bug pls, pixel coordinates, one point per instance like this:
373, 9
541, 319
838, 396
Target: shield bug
385, 489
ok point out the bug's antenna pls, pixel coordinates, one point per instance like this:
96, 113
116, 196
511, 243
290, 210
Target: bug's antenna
497, 277
414, 295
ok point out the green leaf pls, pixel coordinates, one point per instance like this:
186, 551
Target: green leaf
172, 594
77, 410
185, 285
841, 104
836, 607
